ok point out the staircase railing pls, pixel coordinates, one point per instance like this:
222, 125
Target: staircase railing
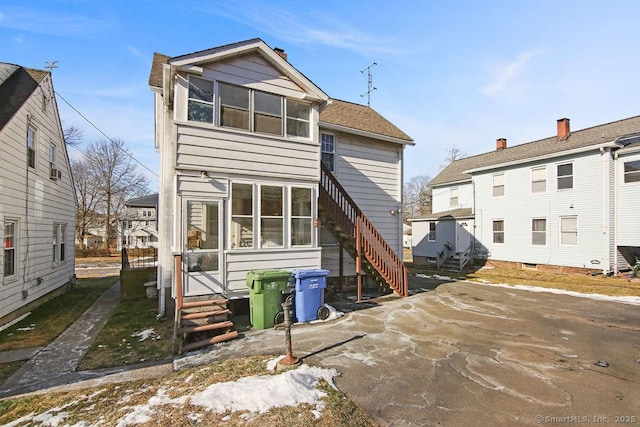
465, 257
354, 223
444, 254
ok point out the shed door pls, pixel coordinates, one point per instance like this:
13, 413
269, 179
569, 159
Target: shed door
463, 236
202, 255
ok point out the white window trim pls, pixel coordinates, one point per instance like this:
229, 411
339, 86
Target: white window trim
571, 245
16, 248
289, 215
34, 130
623, 174
456, 198
546, 232
544, 168
255, 220
285, 212
494, 186
334, 170
573, 181
493, 232
435, 231
60, 243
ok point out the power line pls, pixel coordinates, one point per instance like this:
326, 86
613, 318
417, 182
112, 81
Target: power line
104, 134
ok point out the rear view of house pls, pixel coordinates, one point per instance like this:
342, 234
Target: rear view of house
261, 169
138, 223
37, 201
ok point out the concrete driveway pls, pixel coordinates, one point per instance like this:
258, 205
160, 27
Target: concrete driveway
469, 354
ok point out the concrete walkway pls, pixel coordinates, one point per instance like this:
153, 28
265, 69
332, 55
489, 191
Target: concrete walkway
56, 363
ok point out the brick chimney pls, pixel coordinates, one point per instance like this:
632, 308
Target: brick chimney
280, 52
501, 144
563, 129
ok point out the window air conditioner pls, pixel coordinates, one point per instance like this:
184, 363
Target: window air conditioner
54, 173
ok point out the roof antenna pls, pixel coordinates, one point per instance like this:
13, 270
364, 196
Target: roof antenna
370, 87
51, 65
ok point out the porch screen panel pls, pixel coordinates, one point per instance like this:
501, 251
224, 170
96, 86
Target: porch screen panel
200, 104
234, 106
267, 117
202, 236
301, 216
242, 216
271, 217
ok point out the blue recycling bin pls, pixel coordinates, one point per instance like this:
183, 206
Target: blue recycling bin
309, 293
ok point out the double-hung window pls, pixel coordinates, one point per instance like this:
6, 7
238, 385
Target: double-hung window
52, 159
632, 171
200, 103
241, 215
453, 197
271, 217
298, 119
498, 185
565, 176
569, 230
301, 221
267, 115
234, 106
539, 180
59, 243
10, 244
539, 232
431, 234
328, 151
31, 147
498, 231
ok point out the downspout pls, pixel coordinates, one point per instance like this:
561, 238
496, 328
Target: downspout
605, 219
615, 213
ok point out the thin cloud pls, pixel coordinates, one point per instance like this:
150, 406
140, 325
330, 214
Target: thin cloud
32, 20
505, 81
135, 52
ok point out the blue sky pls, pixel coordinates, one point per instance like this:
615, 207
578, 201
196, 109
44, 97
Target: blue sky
450, 73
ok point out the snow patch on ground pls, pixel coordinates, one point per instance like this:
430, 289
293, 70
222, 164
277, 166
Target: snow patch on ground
144, 335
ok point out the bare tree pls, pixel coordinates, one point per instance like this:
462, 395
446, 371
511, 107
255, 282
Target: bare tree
453, 153
116, 179
73, 135
87, 198
417, 197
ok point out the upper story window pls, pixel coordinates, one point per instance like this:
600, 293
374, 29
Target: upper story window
632, 171
328, 151
539, 232
431, 234
298, 118
453, 198
539, 180
10, 244
234, 106
31, 147
52, 159
565, 176
267, 116
200, 103
498, 231
498, 185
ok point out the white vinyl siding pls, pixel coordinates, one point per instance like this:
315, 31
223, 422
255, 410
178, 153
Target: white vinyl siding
498, 185
441, 195
539, 180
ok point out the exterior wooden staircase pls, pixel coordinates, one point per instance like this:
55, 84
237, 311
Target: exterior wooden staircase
357, 235
199, 321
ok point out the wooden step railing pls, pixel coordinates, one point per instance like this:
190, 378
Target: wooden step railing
367, 240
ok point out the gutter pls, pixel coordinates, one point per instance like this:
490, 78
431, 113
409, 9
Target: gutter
331, 126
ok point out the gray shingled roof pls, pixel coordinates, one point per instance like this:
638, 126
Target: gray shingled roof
592, 136
150, 201
16, 89
452, 214
340, 113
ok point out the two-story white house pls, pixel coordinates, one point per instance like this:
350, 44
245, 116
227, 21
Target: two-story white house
37, 201
566, 202
138, 223
259, 168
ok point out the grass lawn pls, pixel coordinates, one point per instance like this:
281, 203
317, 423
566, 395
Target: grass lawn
131, 335
168, 401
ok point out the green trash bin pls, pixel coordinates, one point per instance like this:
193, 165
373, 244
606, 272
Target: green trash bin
265, 295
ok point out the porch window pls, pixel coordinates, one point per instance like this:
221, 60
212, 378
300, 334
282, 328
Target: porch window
328, 151
565, 176
298, 118
539, 232
632, 171
271, 217
267, 117
31, 147
200, 103
498, 231
10, 243
453, 198
569, 230
431, 234
539, 180
301, 222
498, 185
234, 106
242, 216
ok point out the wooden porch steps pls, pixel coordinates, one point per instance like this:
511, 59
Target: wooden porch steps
200, 322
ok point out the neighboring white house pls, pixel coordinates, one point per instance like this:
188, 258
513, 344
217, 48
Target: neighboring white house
138, 223
241, 135
37, 199
571, 200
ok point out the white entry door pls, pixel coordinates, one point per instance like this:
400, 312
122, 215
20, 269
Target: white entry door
203, 242
463, 236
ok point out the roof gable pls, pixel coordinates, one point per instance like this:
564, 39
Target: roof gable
16, 88
549, 147
226, 52
360, 118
